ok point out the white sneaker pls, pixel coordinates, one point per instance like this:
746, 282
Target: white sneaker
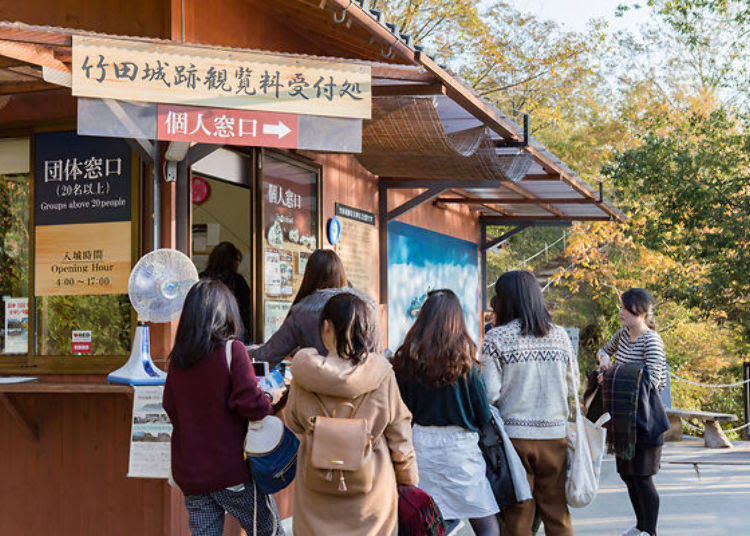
632, 531
644, 533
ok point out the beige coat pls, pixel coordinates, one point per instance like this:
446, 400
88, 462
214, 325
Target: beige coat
337, 380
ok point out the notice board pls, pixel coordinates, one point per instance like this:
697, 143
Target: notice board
81, 215
358, 247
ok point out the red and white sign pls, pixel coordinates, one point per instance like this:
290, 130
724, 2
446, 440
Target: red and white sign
201, 190
230, 127
81, 342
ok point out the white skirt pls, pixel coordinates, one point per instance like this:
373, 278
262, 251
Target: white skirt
453, 472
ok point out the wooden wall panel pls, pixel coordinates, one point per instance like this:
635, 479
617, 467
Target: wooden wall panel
241, 24
73, 482
48, 107
458, 221
146, 18
346, 181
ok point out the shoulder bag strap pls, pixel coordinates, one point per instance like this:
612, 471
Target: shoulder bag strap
228, 354
359, 404
321, 404
575, 389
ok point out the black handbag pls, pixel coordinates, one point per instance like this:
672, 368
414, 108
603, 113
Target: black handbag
498, 470
593, 401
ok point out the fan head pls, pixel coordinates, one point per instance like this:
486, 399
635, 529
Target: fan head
158, 284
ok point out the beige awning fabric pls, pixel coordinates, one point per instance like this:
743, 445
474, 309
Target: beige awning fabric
407, 139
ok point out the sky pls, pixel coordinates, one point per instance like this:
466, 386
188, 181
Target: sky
573, 14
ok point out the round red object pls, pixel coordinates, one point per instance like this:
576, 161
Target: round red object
201, 190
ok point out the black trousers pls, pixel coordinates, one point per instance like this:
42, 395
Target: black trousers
645, 501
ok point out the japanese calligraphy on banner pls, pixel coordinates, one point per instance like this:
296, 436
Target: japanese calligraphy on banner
234, 127
81, 215
178, 74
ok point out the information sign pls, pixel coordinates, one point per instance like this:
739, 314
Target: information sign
81, 214
357, 247
81, 342
180, 74
227, 126
150, 435
16, 325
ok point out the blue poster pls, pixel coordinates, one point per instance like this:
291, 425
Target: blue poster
419, 261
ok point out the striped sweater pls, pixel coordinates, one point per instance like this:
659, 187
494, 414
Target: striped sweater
529, 379
647, 349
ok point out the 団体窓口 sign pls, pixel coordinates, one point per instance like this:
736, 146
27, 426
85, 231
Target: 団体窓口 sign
82, 218
200, 76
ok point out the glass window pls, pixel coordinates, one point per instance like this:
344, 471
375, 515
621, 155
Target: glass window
107, 318
290, 233
14, 245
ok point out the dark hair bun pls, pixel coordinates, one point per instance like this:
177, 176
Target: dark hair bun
353, 328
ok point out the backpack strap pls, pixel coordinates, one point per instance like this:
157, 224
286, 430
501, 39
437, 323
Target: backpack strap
355, 408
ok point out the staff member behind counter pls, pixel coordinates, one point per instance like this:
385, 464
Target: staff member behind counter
324, 277
223, 264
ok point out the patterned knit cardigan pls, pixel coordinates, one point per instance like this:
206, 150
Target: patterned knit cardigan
530, 379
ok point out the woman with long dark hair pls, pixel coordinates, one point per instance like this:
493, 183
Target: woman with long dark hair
324, 269
530, 370
639, 343
209, 404
440, 381
349, 380
324, 278
223, 263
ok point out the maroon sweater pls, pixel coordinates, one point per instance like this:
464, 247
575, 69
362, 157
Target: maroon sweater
209, 413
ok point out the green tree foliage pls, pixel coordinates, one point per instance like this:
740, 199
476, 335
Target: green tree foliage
107, 317
14, 222
689, 194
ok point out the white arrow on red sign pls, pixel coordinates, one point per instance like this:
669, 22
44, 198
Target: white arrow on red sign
280, 129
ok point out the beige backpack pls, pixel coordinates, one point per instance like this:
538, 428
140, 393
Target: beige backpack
339, 458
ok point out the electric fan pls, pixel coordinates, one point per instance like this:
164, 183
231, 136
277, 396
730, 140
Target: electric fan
157, 287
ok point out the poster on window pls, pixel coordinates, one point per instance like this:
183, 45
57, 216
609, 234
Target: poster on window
420, 261
16, 326
81, 214
290, 234
150, 435
274, 314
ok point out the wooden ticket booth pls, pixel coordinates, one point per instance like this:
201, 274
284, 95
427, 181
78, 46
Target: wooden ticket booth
280, 126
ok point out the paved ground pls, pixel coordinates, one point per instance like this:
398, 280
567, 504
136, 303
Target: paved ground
716, 504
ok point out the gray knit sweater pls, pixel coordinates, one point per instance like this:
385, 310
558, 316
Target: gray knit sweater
301, 327
529, 379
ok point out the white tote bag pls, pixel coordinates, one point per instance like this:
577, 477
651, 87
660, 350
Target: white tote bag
586, 442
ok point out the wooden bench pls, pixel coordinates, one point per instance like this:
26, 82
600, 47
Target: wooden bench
713, 435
